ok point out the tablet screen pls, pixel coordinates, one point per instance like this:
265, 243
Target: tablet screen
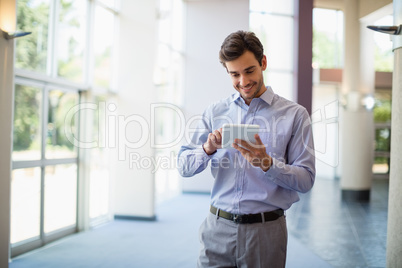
230, 132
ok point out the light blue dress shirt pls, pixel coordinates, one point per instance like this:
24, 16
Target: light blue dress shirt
239, 187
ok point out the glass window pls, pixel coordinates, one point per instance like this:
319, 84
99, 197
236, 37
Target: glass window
167, 78
382, 107
327, 38
32, 50
281, 83
277, 41
384, 57
46, 113
99, 164
108, 3
382, 150
383, 139
284, 7
27, 123
161, 75
382, 118
177, 25
103, 44
167, 183
165, 22
99, 184
57, 144
60, 197
71, 40
25, 204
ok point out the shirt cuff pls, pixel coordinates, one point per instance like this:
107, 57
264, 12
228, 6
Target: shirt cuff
275, 170
202, 147
200, 151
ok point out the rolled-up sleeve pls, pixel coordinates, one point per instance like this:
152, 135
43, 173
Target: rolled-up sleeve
192, 161
192, 158
297, 171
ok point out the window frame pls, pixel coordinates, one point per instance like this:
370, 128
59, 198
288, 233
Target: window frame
49, 80
43, 239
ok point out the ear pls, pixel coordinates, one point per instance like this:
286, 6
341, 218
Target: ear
264, 63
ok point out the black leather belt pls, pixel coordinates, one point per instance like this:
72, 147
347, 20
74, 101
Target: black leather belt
248, 218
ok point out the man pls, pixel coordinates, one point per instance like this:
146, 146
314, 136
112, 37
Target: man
254, 182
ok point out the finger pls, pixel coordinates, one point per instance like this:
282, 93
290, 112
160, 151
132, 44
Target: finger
245, 153
218, 136
258, 141
244, 144
211, 139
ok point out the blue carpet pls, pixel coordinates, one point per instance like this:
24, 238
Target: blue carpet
170, 241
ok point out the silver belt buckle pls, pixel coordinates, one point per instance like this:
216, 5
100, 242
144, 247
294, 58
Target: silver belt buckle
238, 218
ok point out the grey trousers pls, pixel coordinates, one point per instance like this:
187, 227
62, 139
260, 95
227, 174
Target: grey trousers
228, 244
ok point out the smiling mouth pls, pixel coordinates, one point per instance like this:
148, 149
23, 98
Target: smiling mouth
247, 89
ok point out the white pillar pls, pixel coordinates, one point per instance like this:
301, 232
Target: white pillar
394, 236
207, 25
133, 188
7, 22
357, 127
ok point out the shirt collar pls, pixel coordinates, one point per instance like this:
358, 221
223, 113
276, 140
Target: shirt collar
235, 96
267, 96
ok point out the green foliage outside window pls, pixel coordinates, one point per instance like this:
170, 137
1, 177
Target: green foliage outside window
382, 114
31, 51
60, 103
384, 60
382, 111
70, 65
326, 52
102, 65
26, 118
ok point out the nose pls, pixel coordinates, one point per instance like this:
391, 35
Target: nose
244, 81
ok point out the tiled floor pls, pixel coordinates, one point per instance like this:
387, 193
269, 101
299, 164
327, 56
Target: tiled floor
321, 224
169, 242
345, 234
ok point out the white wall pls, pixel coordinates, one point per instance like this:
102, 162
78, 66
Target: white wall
206, 81
6, 122
134, 186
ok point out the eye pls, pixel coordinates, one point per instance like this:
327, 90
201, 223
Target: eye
250, 71
235, 75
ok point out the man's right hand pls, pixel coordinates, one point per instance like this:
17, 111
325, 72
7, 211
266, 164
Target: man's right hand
214, 142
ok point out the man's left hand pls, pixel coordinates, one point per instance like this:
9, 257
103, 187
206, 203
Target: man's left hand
255, 153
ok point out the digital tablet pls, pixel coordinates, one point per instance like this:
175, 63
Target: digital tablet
230, 132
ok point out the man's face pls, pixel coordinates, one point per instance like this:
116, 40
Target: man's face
246, 75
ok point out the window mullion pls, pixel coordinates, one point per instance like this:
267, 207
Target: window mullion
90, 44
44, 116
53, 37
50, 40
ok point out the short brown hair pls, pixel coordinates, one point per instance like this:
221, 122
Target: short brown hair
237, 43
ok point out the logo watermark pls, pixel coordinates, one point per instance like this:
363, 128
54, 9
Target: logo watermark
129, 133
